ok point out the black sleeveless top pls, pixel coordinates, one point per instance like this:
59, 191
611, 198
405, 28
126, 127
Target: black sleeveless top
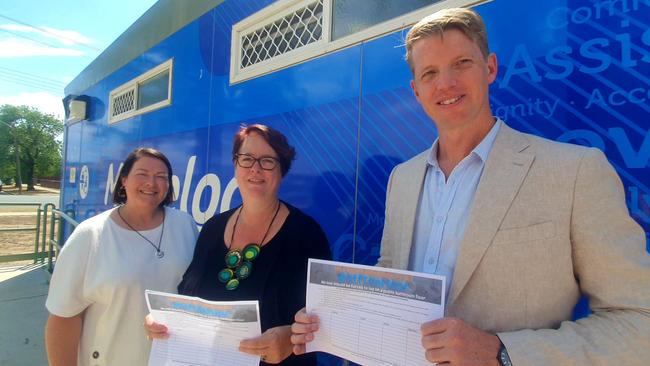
278, 278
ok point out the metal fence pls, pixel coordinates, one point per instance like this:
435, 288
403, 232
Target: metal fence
47, 243
63, 219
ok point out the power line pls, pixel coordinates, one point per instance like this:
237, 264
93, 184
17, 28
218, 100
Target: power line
30, 38
49, 32
28, 75
41, 42
30, 80
30, 84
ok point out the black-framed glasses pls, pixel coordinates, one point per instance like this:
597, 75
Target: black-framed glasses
247, 161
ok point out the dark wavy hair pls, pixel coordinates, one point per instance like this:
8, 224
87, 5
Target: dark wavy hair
278, 142
127, 165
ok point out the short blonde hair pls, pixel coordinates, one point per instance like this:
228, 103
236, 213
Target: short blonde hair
465, 20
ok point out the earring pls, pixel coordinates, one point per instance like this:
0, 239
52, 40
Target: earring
122, 193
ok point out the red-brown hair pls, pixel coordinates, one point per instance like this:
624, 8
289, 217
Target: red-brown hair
278, 142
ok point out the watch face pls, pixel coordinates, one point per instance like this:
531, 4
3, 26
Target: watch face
504, 357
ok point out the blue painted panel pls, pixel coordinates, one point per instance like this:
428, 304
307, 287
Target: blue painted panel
578, 73
549, 84
393, 129
72, 152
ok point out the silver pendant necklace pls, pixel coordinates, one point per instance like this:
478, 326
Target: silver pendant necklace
159, 253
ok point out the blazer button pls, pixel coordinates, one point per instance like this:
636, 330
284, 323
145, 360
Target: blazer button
95, 355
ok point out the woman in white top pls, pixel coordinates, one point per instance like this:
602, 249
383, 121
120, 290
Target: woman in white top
96, 298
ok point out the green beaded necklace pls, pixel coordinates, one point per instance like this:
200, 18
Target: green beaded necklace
239, 264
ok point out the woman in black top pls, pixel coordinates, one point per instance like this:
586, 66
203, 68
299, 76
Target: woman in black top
259, 250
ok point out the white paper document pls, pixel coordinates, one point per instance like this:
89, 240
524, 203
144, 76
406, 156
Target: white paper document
202, 332
372, 315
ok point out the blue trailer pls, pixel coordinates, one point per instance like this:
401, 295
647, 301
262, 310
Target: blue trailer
330, 75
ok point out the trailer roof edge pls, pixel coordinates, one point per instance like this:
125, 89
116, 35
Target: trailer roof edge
163, 19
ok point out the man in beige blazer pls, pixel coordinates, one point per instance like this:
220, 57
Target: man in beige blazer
549, 223
546, 222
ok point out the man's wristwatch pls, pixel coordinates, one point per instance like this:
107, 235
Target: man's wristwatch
503, 357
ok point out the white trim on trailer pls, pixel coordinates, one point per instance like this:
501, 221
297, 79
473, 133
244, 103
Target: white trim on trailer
285, 8
123, 100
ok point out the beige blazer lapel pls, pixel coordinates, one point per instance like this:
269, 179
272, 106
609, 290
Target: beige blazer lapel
504, 172
410, 197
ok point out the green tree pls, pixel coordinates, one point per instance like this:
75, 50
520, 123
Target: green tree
7, 169
36, 134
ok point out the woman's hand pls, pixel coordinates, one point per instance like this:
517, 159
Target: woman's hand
273, 346
154, 330
303, 330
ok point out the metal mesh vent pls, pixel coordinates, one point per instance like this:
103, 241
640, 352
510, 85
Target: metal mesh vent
123, 103
295, 30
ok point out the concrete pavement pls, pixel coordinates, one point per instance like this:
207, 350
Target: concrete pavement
42, 195
40, 199
23, 291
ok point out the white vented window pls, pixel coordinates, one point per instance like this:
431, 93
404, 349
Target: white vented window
291, 31
123, 102
294, 30
149, 91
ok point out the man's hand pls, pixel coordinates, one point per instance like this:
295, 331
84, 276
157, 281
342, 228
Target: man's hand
451, 340
303, 331
273, 346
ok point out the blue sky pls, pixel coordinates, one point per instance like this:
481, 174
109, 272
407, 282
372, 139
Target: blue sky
44, 44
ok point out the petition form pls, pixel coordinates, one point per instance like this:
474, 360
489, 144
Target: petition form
202, 332
372, 315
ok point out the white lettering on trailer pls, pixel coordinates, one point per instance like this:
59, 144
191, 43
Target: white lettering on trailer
111, 181
189, 171
183, 192
227, 195
543, 107
633, 157
618, 97
214, 183
84, 182
176, 186
594, 56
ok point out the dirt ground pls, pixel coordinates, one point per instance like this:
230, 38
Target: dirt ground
15, 242
11, 217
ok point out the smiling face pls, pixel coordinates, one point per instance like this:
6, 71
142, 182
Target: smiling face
147, 183
451, 79
255, 182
